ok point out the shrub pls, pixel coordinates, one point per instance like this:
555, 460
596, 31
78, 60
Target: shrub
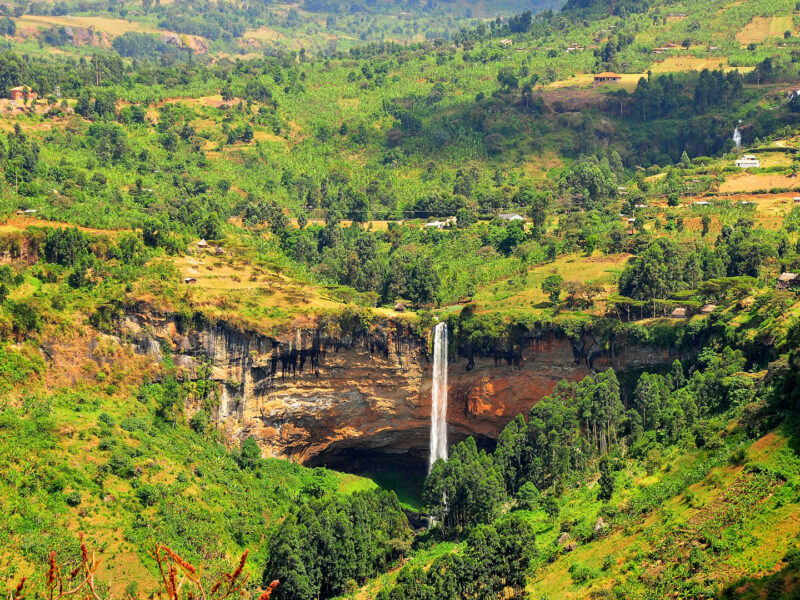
200, 422
121, 465
148, 494
107, 444
134, 424
107, 419
581, 572
73, 498
609, 561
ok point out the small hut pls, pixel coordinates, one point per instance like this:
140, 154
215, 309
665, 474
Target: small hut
787, 281
679, 313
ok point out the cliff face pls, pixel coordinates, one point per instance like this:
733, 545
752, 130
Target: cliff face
360, 397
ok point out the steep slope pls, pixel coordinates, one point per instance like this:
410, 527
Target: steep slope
356, 396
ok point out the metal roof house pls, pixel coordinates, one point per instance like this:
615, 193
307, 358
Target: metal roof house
607, 77
747, 161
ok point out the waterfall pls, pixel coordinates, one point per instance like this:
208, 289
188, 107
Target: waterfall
737, 137
439, 395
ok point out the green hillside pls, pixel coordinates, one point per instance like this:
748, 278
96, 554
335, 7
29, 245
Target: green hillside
354, 168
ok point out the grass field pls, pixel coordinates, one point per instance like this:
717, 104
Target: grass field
725, 503
519, 293
113, 27
259, 296
747, 182
672, 64
762, 28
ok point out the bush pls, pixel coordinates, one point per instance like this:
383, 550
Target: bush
581, 572
609, 561
107, 419
200, 422
73, 498
121, 465
148, 494
134, 424
107, 444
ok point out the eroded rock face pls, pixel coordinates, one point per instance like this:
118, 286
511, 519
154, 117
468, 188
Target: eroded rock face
365, 397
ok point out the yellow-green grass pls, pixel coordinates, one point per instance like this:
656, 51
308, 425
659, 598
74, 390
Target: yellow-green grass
258, 297
671, 64
113, 27
769, 529
596, 269
17, 224
774, 159
762, 28
752, 182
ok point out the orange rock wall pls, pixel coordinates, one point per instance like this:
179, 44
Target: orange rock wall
316, 400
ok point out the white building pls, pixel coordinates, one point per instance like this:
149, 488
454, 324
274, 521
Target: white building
747, 161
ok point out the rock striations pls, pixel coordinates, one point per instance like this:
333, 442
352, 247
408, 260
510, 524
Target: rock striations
353, 399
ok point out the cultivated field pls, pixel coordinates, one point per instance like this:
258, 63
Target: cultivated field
112, 27
672, 64
762, 28
747, 182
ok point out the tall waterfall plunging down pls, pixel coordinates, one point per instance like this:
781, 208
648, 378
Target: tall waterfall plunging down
737, 137
439, 395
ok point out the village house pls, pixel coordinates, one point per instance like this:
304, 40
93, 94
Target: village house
441, 224
679, 313
190, 280
607, 77
747, 161
22, 93
510, 217
788, 281
708, 309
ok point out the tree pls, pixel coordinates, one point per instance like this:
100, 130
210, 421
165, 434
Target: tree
464, 218
552, 287
507, 78
250, 454
529, 497
606, 481
465, 490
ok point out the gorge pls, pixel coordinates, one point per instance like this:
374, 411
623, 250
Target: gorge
357, 397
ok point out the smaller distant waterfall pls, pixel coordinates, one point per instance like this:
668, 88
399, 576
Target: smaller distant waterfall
439, 395
737, 137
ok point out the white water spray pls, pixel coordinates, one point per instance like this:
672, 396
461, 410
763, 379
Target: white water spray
737, 137
439, 395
